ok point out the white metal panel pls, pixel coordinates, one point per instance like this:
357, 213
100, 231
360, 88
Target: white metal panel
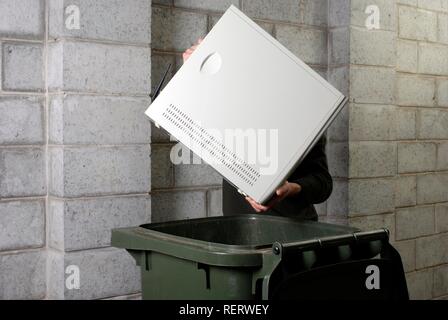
242, 78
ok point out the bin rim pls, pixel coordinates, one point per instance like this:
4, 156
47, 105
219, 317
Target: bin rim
211, 253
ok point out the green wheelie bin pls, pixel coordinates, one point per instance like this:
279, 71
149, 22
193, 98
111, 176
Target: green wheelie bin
262, 257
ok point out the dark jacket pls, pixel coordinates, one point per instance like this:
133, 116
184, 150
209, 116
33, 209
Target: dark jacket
312, 175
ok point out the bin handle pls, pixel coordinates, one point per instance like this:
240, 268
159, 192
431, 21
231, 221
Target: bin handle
279, 248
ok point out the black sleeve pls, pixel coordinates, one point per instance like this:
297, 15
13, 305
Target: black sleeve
313, 175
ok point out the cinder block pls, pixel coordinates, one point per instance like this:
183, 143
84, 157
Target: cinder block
407, 253
387, 13
310, 45
178, 205
337, 204
414, 222
89, 171
417, 24
375, 222
214, 203
441, 281
211, 5
94, 67
437, 5
313, 12
103, 273
175, 29
126, 21
56, 180
22, 66
339, 46
162, 169
24, 224
442, 156
338, 130
22, 120
431, 251
338, 13
442, 217
416, 157
372, 122
372, 85
186, 175
432, 124
406, 123
415, 91
22, 19
55, 274
22, 172
364, 195
339, 77
406, 191
321, 70
55, 224
337, 155
372, 47
420, 284
432, 188
287, 10
87, 223
443, 28
87, 119
442, 93
432, 59
407, 55
23, 276
372, 159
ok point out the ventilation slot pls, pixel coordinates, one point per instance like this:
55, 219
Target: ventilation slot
211, 145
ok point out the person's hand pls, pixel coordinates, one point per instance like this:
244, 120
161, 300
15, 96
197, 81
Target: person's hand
190, 51
286, 190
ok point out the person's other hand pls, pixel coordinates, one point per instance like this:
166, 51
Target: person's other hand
286, 190
190, 50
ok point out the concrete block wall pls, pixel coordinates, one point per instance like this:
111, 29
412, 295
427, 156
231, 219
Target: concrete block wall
76, 157
23, 186
336, 207
194, 190
397, 134
421, 198
74, 147
98, 79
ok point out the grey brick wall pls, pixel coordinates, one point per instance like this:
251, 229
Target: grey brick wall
338, 30
75, 152
398, 131
74, 147
23, 186
98, 142
423, 70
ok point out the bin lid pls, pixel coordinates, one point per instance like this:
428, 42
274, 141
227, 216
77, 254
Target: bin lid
239, 240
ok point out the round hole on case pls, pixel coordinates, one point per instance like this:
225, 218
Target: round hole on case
211, 64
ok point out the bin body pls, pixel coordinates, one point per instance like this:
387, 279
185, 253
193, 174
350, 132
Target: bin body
174, 278
246, 256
